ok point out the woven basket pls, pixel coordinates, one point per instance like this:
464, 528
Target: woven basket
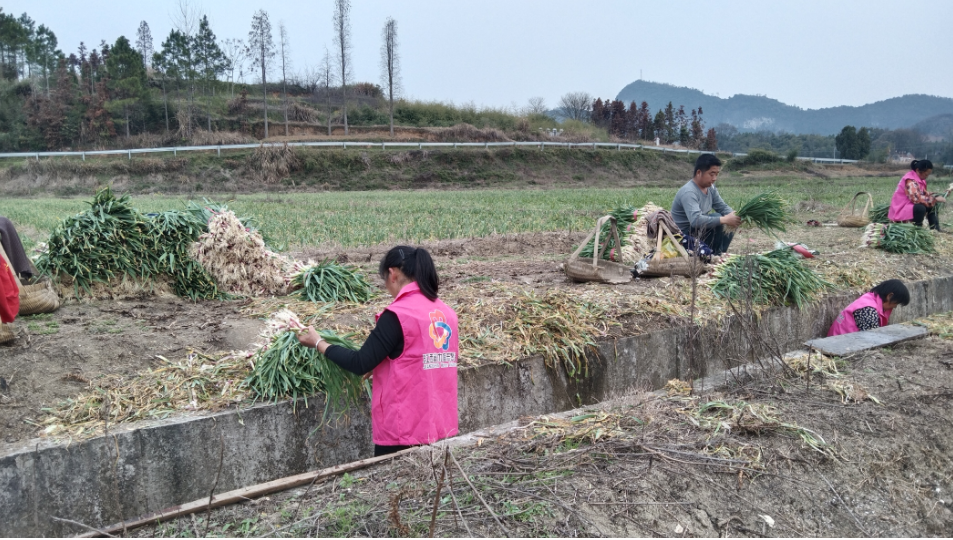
6, 333
38, 298
849, 217
595, 268
683, 265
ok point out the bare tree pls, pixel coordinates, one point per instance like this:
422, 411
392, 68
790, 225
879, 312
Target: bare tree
144, 43
390, 65
327, 79
342, 43
575, 105
309, 79
186, 18
536, 105
186, 21
285, 64
237, 54
261, 49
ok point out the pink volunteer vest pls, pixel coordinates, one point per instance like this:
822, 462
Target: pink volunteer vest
901, 207
844, 323
414, 397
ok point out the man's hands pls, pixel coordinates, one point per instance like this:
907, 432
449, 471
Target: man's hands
731, 220
941, 198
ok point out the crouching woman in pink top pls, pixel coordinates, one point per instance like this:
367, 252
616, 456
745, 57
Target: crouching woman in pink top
911, 201
872, 309
412, 353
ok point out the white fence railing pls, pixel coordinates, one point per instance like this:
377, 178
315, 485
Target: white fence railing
174, 150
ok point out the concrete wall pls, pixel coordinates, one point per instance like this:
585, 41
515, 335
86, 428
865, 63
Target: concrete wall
140, 469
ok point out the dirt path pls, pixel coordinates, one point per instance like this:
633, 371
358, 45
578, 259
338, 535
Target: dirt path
727, 464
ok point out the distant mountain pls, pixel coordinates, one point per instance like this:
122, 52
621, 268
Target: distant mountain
754, 113
936, 127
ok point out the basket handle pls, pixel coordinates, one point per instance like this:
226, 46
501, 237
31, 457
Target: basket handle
678, 245
867, 206
613, 229
595, 234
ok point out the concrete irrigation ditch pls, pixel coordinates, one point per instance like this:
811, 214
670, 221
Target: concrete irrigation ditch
143, 468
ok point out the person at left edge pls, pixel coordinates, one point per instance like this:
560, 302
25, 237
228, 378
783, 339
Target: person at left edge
412, 352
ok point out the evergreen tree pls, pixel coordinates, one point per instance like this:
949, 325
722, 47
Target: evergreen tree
175, 61
261, 49
144, 43
598, 113
711, 141
645, 123
863, 143
846, 142
127, 79
210, 62
671, 129
13, 39
659, 125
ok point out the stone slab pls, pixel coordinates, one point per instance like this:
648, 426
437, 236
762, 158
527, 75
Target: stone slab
847, 344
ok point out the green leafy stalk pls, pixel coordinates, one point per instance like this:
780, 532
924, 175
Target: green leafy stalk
288, 369
766, 211
879, 213
624, 216
906, 238
774, 278
329, 281
112, 239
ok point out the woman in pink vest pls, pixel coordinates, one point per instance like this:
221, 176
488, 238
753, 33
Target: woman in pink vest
872, 309
911, 201
412, 353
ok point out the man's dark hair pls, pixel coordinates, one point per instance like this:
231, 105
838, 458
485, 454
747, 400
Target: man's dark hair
416, 264
705, 162
900, 293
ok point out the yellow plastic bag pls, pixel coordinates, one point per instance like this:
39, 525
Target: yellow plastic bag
669, 251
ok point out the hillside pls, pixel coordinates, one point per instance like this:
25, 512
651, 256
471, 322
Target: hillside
751, 113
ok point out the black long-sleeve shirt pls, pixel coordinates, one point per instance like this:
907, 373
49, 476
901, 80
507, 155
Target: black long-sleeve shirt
386, 341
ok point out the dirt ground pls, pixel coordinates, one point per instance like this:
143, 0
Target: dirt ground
801, 459
59, 355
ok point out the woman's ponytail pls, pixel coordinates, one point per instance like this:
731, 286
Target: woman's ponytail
921, 165
416, 264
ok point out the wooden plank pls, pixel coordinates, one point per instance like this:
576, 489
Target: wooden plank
847, 344
243, 494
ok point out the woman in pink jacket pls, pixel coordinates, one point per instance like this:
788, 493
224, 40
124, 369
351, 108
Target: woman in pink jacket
412, 353
872, 309
911, 201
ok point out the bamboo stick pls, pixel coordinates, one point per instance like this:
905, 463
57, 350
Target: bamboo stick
244, 494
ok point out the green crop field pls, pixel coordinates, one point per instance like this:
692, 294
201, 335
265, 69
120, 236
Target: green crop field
369, 217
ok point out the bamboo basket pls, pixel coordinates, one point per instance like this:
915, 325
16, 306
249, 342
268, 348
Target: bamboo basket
6, 333
849, 216
683, 265
39, 297
595, 268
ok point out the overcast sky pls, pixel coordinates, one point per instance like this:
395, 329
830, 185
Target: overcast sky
500, 53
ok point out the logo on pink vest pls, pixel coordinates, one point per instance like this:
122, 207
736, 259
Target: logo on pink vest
440, 331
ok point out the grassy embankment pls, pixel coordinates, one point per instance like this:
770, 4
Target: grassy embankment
338, 169
370, 217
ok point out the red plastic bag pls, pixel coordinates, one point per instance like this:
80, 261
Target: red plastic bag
9, 293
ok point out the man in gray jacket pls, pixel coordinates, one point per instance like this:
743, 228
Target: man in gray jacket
700, 212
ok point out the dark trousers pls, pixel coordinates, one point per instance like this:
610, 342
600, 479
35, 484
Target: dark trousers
920, 211
384, 450
717, 239
14, 249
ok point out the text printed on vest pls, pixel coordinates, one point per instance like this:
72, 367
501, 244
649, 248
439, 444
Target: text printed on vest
440, 360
